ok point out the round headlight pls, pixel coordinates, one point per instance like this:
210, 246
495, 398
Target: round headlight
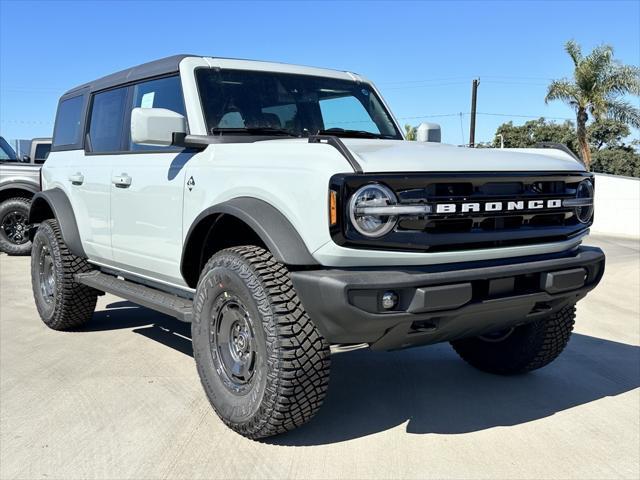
363, 217
585, 192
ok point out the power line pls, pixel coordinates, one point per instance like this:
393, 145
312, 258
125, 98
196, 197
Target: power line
460, 82
503, 82
523, 116
426, 115
27, 122
514, 115
33, 90
427, 80
464, 77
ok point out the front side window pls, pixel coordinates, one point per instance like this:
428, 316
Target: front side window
67, 127
160, 93
107, 120
253, 102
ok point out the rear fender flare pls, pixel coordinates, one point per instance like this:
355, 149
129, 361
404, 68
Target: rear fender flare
56, 202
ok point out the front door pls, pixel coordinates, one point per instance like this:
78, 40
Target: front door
146, 214
147, 187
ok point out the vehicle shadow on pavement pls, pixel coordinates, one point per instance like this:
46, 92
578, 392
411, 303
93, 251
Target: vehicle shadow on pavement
149, 323
429, 389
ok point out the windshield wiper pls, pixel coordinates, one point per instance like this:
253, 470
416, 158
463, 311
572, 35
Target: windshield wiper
341, 132
252, 131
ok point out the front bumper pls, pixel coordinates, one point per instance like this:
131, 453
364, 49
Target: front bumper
439, 303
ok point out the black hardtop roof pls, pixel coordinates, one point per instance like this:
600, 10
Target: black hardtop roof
162, 66
150, 69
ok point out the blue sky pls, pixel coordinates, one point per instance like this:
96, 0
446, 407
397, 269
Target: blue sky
422, 55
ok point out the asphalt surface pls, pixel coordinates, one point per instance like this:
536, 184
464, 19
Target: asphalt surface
122, 399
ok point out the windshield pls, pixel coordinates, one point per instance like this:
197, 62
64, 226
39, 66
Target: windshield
260, 103
6, 152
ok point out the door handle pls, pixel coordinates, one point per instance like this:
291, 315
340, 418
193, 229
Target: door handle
122, 181
76, 179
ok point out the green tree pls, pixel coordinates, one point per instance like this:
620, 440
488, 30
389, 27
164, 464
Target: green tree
534, 132
598, 87
607, 137
617, 161
607, 133
410, 132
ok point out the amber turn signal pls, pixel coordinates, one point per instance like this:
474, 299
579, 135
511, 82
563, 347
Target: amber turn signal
333, 210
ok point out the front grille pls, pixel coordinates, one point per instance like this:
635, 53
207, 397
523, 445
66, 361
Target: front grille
459, 229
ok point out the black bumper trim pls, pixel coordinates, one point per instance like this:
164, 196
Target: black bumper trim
444, 302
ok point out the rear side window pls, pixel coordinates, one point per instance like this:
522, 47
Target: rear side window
42, 151
160, 93
106, 128
68, 122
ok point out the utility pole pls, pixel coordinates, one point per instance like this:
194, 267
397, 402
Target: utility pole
474, 96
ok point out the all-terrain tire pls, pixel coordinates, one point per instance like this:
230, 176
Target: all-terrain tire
61, 302
526, 348
289, 357
15, 208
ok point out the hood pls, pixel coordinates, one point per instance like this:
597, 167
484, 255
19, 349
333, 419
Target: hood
408, 156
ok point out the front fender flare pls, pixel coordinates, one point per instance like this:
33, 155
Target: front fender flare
273, 228
56, 201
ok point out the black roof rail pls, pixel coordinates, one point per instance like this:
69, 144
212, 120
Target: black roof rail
336, 143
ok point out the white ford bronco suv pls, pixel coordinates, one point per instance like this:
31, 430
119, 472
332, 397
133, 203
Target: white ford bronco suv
280, 210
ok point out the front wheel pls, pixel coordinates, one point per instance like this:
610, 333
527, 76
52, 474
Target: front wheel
263, 364
520, 349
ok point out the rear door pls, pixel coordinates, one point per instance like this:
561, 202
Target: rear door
147, 192
86, 173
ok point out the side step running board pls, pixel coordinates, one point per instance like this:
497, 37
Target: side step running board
178, 307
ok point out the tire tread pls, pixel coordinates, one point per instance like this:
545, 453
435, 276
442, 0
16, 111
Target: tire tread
299, 380
75, 303
540, 343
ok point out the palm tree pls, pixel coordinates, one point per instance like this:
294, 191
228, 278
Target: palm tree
410, 132
597, 89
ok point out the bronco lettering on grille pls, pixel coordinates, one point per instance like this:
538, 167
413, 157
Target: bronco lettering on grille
498, 206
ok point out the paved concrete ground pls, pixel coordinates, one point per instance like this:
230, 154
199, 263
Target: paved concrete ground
121, 399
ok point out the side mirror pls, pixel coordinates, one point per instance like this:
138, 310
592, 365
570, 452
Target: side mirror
26, 158
428, 132
156, 126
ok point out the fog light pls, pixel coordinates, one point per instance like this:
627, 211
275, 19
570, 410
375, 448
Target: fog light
389, 300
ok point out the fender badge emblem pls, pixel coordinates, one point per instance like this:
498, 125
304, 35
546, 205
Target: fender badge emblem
191, 183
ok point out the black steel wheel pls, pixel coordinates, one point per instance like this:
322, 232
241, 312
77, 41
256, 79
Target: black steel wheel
46, 274
61, 302
14, 226
262, 363
233, 342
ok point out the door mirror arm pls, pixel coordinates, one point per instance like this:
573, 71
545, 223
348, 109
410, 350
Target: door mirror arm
195, 142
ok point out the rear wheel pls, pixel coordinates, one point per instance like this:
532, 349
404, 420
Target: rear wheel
14, 227
520, 349
262, 362
61, 302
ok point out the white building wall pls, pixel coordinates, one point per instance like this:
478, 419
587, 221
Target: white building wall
617, 209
